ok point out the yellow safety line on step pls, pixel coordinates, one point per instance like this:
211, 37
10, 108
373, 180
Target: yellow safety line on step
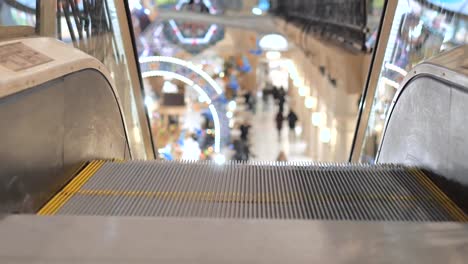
229, 197
440, 196
54, 205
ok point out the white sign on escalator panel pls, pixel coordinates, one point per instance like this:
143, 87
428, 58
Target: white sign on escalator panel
17, 57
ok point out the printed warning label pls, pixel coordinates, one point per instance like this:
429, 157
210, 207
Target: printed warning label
17, 57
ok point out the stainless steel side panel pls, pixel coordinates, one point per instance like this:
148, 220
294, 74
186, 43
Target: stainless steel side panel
427, 125
46, 131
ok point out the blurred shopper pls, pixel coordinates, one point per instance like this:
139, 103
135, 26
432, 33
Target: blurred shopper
265, 94
281, 99
279, 123
250, 101
281, 92
282, 156
242, 150
281, 102
247, 97
244, 128
292, 120
274, 92
191, 148
253, 104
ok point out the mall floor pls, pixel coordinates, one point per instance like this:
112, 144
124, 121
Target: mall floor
266, 145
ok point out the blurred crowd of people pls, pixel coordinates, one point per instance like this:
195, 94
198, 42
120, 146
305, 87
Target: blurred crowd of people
279, 97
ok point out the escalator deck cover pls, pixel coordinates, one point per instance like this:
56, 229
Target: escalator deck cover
254, 190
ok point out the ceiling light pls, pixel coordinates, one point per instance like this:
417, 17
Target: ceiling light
316, 119
274, 42
302, 91
232, 105
310, 102
325, 135
273, 55
257, 11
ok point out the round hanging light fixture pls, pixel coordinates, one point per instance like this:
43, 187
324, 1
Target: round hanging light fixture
273, 42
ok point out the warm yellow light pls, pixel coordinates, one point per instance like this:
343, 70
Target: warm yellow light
297, 82
325, 135
310, 102
316, 119
319, 119
302, 91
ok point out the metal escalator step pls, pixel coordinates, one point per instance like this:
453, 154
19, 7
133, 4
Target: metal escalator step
254, 190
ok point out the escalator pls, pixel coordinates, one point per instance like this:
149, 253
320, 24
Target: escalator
249, 190
71, 192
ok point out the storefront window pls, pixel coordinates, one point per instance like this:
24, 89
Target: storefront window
420, 30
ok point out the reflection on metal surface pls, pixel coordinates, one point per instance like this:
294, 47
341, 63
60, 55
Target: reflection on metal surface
49, 129
431, 107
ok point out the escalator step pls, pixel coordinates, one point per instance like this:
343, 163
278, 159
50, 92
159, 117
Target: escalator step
254, 190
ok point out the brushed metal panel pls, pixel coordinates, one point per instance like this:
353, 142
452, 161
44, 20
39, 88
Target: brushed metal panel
31, 146
418, 131
93, 124
47, 130
457, 168
428, 124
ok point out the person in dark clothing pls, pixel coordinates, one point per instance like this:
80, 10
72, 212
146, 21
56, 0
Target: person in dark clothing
250, 101
244, 128
279, 123
242, 150
281, 99
281, 102
274, 92
281, 92
247, 97
265, 94
292, 120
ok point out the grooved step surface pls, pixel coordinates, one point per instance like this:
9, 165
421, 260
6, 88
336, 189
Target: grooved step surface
254, 190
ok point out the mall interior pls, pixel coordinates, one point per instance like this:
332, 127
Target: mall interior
233, 131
